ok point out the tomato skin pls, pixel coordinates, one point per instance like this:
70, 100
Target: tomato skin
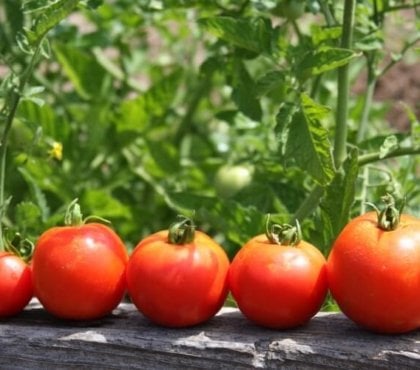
178, 285
374, 275
79, 271
278, 286
15, 284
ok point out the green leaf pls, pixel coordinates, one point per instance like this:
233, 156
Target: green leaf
86, 74
244, 91
136, 114
252, 34
270, 81
338, 199
27, 215
51, 15
322, 60
103, 204
308, 143
165, 156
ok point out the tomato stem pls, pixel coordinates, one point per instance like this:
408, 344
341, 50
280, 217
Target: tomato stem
182, 231
73, 215
389, 217
284, 234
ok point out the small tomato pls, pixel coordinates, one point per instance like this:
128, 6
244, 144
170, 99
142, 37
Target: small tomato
15, 284
290, 9
374, 270
229, 180
79, 269
277, 280
178, 277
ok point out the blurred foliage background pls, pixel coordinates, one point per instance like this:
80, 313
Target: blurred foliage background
136, 106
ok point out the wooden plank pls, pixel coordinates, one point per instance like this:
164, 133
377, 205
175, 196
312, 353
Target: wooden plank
126, 340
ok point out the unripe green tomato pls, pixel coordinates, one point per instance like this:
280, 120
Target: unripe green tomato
230, 179
290, 9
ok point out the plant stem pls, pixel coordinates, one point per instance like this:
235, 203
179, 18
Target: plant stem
340, 140
375, 157
10, 109
367, 104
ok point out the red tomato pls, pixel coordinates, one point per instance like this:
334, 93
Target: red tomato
374, 274
78, 271
175, 284
278, 286
15, 284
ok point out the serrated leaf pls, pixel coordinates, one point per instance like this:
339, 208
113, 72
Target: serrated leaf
339, 198
389, 145
51, 15
323, 60
308, 144
252, 34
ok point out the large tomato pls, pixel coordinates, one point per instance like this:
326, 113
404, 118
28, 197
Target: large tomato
178, 277
277, 280
79, 270
374, 271
15, 284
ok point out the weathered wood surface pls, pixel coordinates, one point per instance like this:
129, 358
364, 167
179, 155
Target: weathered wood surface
126, 340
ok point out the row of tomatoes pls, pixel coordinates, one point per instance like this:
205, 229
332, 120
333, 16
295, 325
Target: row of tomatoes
181, 277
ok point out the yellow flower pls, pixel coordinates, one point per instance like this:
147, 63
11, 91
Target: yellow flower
56, 151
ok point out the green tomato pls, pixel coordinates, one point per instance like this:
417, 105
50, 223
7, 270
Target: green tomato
290, 9
229, 180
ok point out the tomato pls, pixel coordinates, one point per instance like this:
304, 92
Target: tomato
15, 284
277, 280
290, 9
178, 277
374, 273
79, 270
229, 180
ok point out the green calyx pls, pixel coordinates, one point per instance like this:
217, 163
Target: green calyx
74, 216
284, 234
19, 246
389, 217
182, 231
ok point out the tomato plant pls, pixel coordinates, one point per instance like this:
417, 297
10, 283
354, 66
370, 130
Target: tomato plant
277, 279
374, 270
230, 179
178, 277
15, 284
79, 269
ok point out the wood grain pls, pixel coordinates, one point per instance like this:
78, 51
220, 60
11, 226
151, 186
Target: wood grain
127, 340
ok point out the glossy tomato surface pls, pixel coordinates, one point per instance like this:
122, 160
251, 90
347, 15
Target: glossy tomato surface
178, 285
374, 275
15, 284
79, 271
278, 286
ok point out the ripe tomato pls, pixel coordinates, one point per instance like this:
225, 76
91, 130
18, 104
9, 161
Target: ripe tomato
15, 284
374, 274
229, 180
79, 271
277, 280
178, 277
